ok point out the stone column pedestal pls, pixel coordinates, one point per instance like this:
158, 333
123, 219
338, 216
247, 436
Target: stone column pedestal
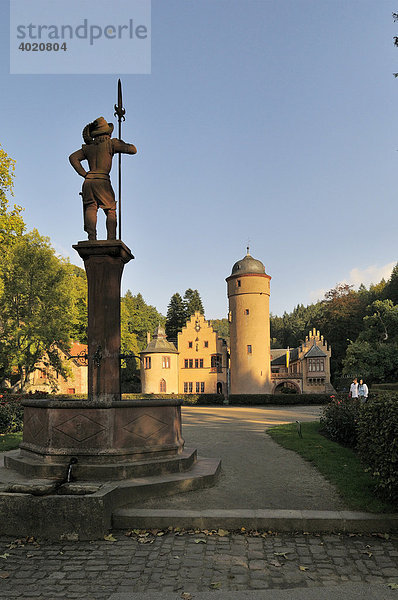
104, 261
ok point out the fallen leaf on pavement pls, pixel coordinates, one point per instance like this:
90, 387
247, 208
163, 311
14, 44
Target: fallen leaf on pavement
186, 596
4, 575
283, 554
200, 541
110, 538
222, 532
275, 563
303, 568
216, 585
5, 555
393, 586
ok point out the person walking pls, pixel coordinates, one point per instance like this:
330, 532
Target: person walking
363, 391
354, 389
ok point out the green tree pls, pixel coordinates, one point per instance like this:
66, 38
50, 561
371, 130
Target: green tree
192, 303
341, 320
221, 326
78, 292
137, 318
141, 317
176, 317
35, 307
12, 225
374, 354
390, 290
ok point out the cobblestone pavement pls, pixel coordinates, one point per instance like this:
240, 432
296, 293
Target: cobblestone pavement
192, 561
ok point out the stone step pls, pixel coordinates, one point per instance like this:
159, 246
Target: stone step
203, 474
30, 466
260, 519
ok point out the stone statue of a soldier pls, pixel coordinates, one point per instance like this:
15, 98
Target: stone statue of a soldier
97, 191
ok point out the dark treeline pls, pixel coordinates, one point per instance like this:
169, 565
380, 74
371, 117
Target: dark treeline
361, 327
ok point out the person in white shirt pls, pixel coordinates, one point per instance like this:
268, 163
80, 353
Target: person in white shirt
354, 389
363, 391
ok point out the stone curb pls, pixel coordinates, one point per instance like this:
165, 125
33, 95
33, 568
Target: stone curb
310, 521
350, 591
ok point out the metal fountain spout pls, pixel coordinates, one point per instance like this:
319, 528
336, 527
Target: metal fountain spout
73, 461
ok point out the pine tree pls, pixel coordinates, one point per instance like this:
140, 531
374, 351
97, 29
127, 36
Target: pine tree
176, 317
390, 291
193, 303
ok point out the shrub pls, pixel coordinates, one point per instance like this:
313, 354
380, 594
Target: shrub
187, 399
277, 399
378, 443
11, 416
339, 420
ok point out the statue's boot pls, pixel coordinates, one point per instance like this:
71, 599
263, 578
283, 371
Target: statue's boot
90, 220
111, 223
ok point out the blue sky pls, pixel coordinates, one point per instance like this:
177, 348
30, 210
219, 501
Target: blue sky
264, 120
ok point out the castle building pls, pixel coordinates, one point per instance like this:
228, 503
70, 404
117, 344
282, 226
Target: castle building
248, 294
46, 379
203, 364
305, 369
159, 365
203, 358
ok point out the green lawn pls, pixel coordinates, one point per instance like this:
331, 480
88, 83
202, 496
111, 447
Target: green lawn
9, 441
337, 464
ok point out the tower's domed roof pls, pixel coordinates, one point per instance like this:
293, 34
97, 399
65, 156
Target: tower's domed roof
248, 264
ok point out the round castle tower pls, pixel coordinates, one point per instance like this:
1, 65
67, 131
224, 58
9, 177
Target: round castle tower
250, 358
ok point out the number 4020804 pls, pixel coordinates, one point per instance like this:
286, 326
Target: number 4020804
42, 47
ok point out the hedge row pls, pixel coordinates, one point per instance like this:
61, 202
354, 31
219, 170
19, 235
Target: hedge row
371, 429
378, 443
278, 399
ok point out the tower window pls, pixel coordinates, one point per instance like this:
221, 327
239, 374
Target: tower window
206, 344
166, 362
246, 311
249, 349
147, 362
162, 386
189, 344
238, 283
191, 363
186, 363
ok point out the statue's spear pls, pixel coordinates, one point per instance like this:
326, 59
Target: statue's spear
120, 112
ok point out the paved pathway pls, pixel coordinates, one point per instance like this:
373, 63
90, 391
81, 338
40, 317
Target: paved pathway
256, 471
176, 565
192, 562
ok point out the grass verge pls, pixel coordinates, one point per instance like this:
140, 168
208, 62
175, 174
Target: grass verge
10, 441
338, 464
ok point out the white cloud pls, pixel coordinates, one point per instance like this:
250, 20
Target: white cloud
372, 274
316, 295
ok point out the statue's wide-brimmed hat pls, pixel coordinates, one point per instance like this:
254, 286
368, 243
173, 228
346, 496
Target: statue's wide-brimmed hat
100, 127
